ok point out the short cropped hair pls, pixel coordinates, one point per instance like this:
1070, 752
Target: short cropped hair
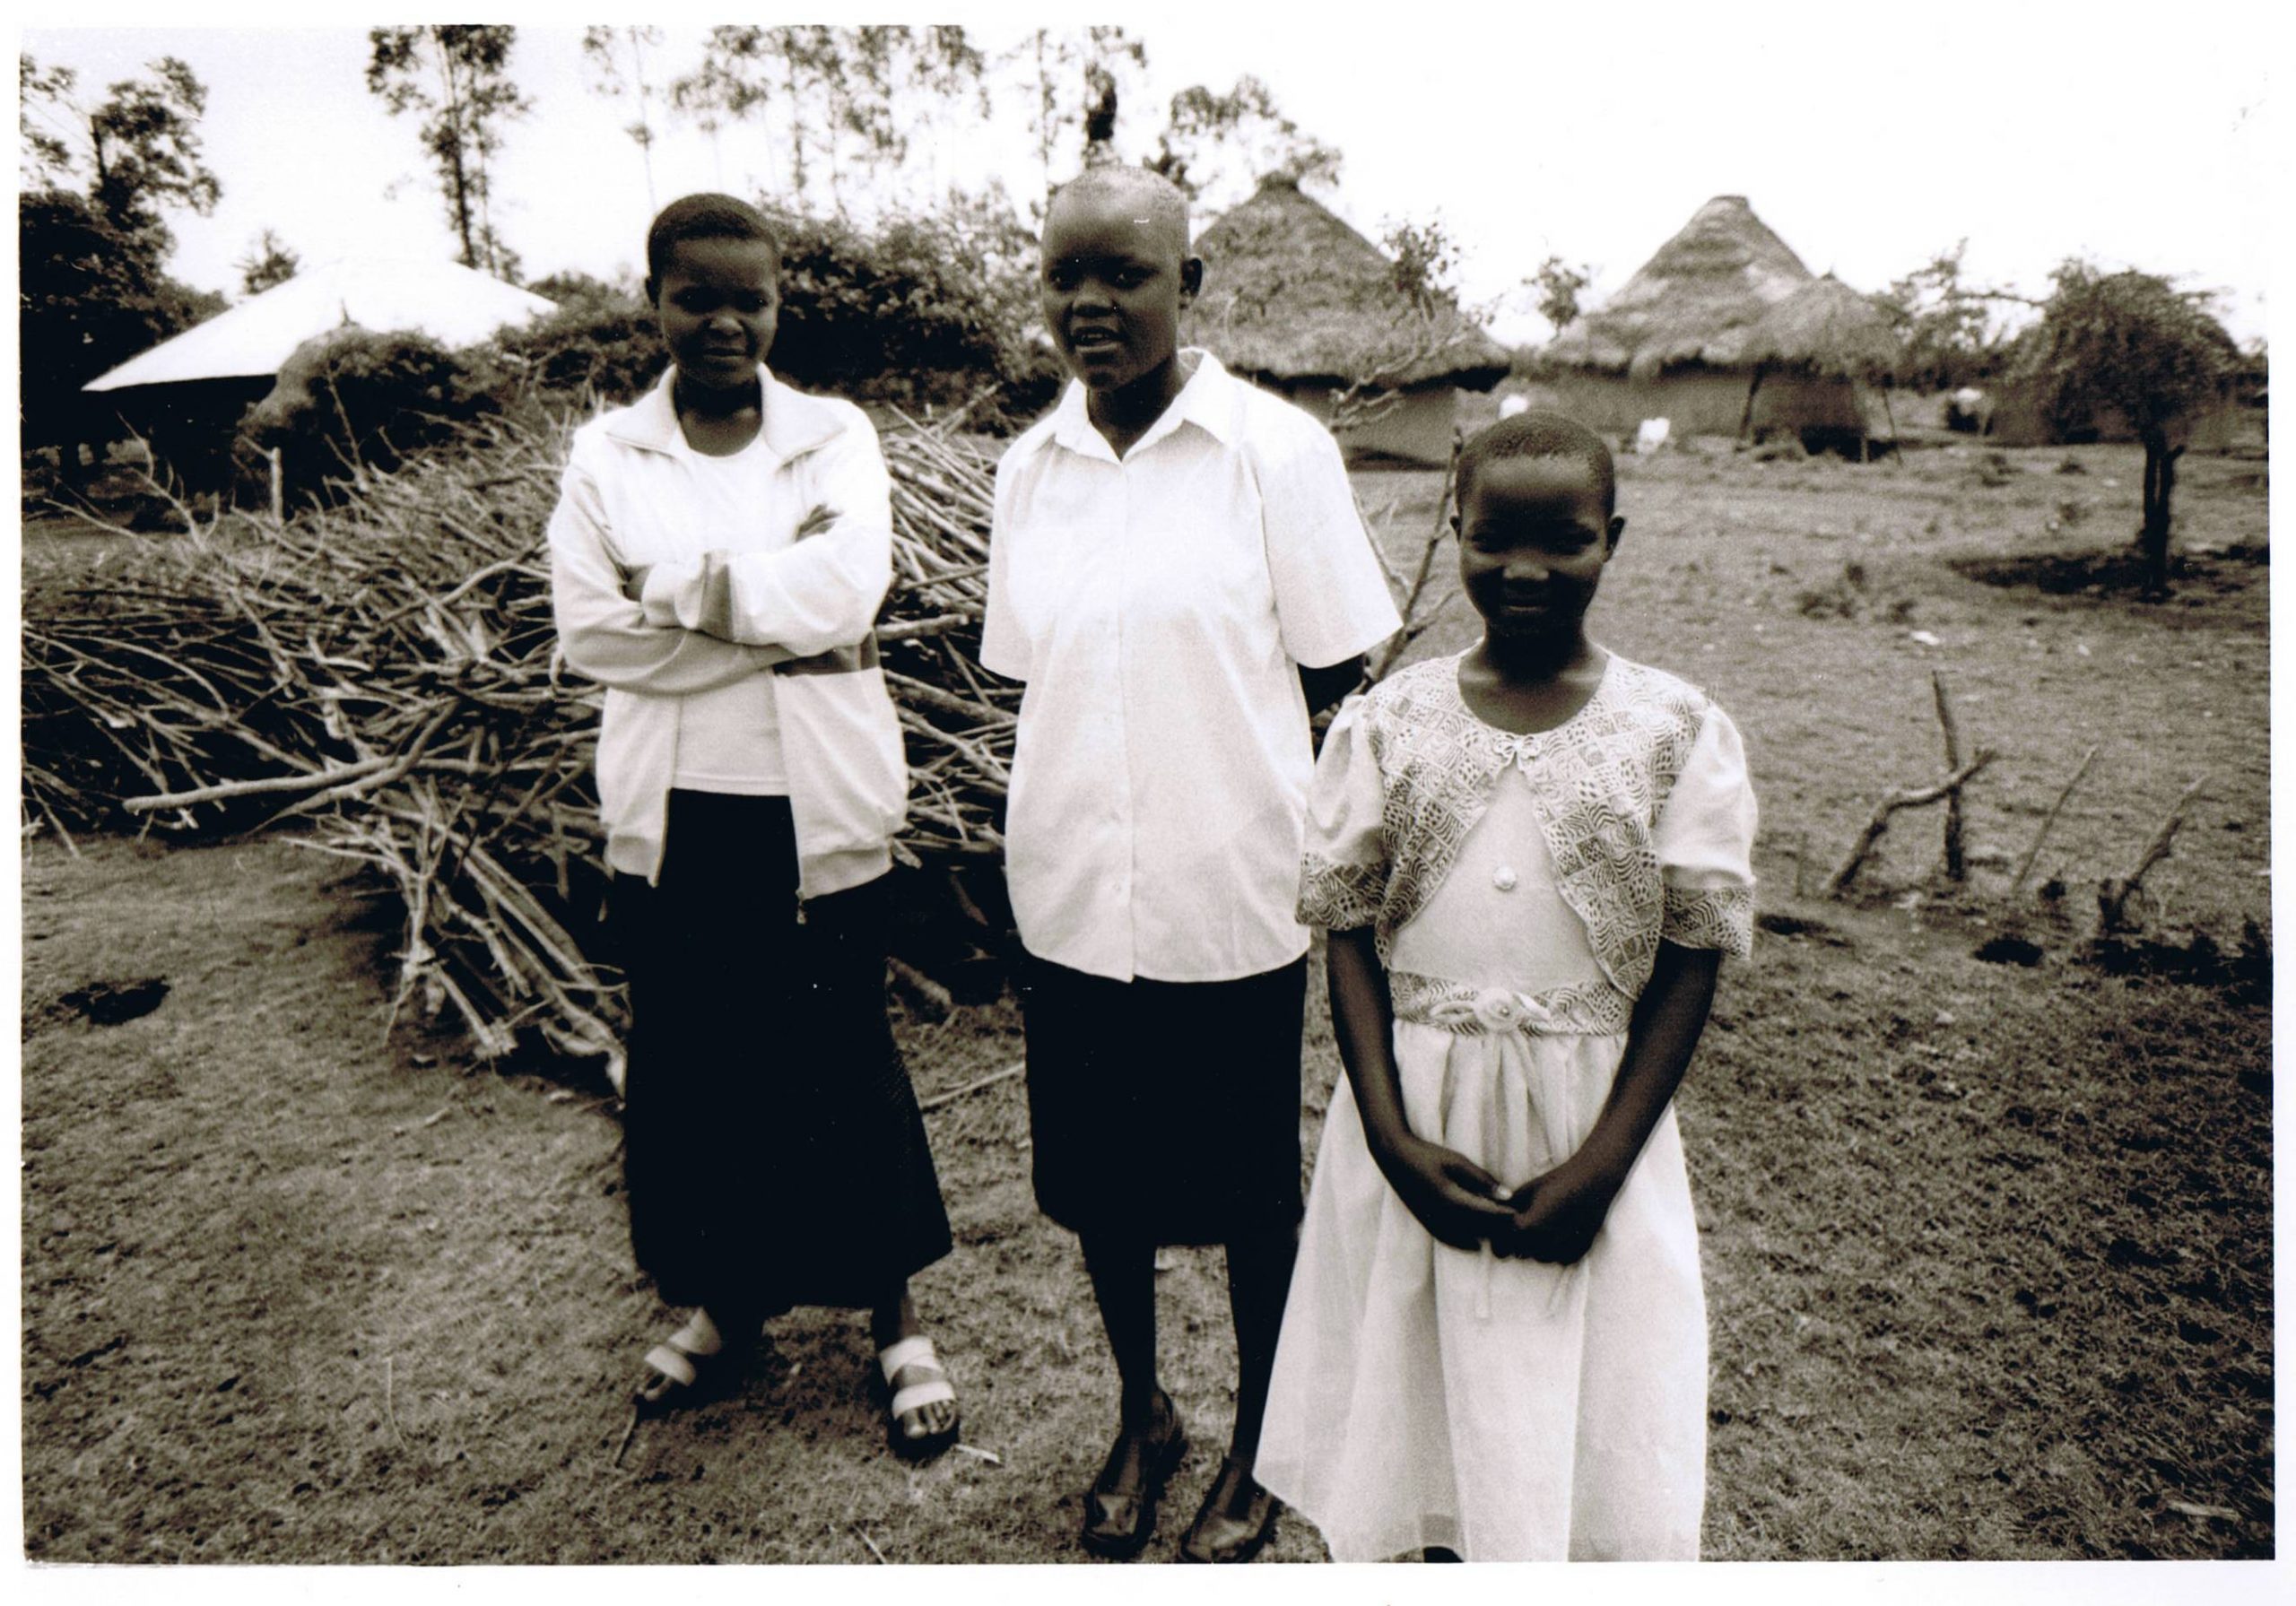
705, 216
1160, 199
1540, 434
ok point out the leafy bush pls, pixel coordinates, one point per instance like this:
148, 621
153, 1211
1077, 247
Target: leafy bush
926, 309
603, 344
352, 400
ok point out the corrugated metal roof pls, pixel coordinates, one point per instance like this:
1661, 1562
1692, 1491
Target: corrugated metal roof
452, 304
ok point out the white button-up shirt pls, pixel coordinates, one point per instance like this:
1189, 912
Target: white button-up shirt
1158, 607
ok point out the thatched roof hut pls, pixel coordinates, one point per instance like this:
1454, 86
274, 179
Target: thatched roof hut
1825, 327
1297, 301
1724, 331
1694, 302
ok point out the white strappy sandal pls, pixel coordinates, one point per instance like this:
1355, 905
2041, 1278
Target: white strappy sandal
686, 1366
892, 1360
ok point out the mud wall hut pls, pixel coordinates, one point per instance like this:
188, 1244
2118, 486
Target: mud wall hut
1296, 301
1724, 331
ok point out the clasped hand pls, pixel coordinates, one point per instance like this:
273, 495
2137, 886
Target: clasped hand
1552, 1217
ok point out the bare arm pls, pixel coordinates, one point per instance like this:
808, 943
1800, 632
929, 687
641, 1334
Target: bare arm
1454, 1199
1558, 1215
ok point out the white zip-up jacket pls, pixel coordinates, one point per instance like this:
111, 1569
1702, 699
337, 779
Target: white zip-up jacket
803, 610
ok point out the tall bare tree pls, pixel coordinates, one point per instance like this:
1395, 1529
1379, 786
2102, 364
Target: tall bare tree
607, 49
1217, 147
832, 102
1074, 81
459, 74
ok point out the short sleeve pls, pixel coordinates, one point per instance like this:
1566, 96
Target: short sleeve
1705, 844
1344, 856
1004, 650
1330, 591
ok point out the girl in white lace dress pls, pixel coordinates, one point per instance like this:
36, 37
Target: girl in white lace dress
1530, 859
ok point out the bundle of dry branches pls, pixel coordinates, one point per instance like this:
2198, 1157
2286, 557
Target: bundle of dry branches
385, 671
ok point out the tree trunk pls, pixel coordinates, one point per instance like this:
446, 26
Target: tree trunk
2152, 534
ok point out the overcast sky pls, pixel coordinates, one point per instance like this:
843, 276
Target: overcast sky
1869, 142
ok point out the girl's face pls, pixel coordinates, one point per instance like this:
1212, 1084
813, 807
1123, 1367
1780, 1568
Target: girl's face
718, 302
1114, 286
1533, 536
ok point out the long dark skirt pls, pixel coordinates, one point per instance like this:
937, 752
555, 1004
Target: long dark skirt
775, 1155
1165, 1110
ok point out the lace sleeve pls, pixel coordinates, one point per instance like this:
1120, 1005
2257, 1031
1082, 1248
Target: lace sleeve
1344, 859
1705, 845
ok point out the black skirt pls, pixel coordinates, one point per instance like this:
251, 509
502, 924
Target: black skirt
774, 1152
1165, 1110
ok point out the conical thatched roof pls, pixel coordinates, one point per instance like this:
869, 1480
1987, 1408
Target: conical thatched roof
452, 304
1825, 327
1695, 301
1292, 293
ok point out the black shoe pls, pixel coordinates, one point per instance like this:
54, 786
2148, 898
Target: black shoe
1120, 1508
1237, 1517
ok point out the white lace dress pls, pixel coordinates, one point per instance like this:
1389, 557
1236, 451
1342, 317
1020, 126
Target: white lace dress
1518, 887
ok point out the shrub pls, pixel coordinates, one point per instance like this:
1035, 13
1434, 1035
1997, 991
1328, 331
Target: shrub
352, 400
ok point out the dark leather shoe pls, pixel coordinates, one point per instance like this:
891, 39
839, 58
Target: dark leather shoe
1236, 1520
1120, 1508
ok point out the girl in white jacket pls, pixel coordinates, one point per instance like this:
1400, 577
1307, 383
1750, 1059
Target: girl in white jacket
719, 555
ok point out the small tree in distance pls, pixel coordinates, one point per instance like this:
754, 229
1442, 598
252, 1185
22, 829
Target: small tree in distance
2132, 344
1559, 284
269, 261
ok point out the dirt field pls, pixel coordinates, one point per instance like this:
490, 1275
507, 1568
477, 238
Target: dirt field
1988, 1245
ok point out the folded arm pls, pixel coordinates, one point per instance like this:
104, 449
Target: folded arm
604, 634
819, 593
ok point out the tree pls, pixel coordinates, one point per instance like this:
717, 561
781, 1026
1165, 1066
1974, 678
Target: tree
132, 154
91, 295
269, 261
604, 45
92, 247
1217, 147
1425, 259
1559, 284
2132, 344
473, 96
1075, 78
1946, 325
837, 101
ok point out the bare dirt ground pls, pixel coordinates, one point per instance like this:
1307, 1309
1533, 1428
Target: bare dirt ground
1987, 1245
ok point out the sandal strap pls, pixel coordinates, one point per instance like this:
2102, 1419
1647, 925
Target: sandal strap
918, 1395
673, 1363
915, 1351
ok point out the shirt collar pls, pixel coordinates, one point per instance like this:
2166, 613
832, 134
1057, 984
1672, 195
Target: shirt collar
1211, 400
795, 423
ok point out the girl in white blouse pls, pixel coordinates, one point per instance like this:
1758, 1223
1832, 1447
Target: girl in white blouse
1178, 573
1530, 859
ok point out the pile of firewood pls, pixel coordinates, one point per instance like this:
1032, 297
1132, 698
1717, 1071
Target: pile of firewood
384, 672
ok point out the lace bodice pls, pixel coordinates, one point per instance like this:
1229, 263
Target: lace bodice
1642, 797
